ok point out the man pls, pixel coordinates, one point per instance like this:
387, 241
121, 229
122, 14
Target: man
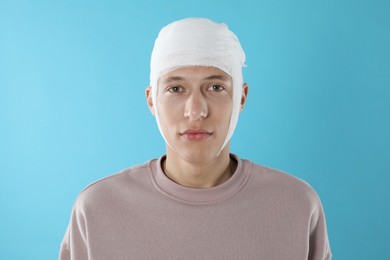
198, 201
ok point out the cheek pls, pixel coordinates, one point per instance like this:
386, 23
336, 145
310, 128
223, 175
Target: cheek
223, 108
225, 116
169, 111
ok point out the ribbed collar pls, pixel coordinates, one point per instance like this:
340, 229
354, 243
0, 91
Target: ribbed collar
201, 195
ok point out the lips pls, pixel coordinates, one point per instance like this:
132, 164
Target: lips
196, 134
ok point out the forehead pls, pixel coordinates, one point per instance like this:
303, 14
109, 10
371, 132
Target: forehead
195, 73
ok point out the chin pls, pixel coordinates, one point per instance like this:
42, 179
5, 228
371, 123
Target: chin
196, 152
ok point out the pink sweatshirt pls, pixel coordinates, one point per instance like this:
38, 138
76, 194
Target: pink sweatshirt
139, 213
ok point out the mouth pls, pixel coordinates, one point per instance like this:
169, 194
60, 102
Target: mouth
196, 134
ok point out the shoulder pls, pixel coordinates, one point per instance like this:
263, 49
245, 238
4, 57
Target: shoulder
116, 185
283, 185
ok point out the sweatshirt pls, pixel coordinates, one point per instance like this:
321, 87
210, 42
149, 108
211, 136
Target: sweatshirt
139, 213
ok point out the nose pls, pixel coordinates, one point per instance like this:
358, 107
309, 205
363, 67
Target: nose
196, 106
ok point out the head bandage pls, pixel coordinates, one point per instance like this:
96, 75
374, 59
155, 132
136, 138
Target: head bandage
198, 42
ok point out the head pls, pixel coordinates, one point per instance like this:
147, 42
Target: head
196, 74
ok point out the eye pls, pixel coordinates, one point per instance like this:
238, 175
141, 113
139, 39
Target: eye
175, 89
216, 88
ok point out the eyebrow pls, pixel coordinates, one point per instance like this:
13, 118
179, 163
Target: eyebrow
212, 77
219, 77
173, 79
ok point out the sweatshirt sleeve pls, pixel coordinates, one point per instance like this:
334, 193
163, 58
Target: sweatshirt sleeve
319, 248
74, 245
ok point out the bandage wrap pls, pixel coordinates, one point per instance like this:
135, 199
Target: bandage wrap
198, 42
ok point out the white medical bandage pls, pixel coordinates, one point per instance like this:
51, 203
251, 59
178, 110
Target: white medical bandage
198, 42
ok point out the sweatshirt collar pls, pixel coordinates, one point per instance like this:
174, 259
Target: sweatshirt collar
200, 195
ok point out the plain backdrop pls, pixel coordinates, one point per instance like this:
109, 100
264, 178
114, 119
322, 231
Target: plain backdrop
72, 107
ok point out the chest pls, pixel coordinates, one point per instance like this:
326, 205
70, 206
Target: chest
249, 230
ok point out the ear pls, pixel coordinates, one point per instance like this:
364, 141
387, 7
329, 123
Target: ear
149, 99
244, 95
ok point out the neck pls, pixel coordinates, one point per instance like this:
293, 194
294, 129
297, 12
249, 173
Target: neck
199, 175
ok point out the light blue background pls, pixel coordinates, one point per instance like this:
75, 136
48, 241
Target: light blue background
72, 107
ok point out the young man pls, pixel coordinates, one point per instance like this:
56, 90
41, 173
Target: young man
198, 201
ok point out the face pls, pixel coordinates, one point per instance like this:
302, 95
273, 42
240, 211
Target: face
194, 106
